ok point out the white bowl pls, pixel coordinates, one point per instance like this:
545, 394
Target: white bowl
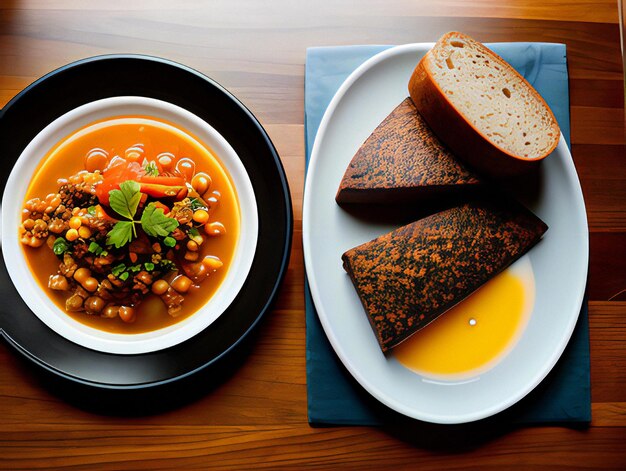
39, 302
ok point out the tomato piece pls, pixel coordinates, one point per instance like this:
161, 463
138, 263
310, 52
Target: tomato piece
118, 171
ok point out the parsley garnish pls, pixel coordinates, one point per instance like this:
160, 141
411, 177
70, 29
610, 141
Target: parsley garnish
121, 234
156, 223
125, 202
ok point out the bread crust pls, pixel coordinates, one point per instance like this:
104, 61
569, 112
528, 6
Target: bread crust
403, 161
465, 140
407, 278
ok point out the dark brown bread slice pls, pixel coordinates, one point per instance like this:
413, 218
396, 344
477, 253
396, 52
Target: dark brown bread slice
402, 160
409, 277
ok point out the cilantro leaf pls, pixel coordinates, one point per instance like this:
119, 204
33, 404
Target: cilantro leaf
125, 200
196, 203
94, 248
151, 169
60, 246
118, 269
167, 265
169, 241
155, 223
121, 234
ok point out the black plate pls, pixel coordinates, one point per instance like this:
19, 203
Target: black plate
106, 76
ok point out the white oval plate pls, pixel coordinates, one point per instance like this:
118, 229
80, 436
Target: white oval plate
39, 302
559, 261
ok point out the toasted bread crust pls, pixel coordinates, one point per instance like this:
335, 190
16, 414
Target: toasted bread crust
402, 160
407, 278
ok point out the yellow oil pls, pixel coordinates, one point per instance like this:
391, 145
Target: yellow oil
475, 334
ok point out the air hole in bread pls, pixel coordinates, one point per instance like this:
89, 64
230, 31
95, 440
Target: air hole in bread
449, 63
457, 44
526, 143
507, 92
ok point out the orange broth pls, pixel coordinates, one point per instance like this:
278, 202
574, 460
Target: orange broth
474, 334
115, 135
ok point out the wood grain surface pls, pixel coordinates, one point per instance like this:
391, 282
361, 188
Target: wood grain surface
255, 417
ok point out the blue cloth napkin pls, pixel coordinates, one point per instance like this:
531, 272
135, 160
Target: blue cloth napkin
334, 397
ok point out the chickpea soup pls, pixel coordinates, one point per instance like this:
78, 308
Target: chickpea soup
130, 224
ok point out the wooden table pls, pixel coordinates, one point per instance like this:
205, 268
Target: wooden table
256, 416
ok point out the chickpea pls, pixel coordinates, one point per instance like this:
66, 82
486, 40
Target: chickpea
134, 153
75, 222
84, 232
96, 159
201, 182
215, 229
56, 201
74, 303
28, 224
212, 263
192, 246
33, 241
159, 287
181, 284
201, 216
127, 313
40, 226
71, 235
166, 161
213, 200
110, 311
58, 282
191, 256
94, 304
90, 284
56, 226
82, 274
186, 167
197, 270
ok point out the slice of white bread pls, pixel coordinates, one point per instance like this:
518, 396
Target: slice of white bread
481, 108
